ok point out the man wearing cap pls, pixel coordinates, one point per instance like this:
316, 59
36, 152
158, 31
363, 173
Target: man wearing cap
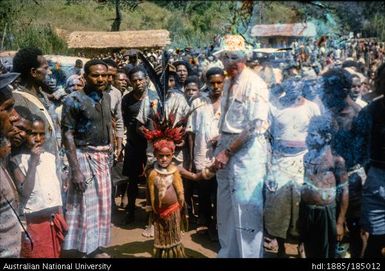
10, 229
241, 155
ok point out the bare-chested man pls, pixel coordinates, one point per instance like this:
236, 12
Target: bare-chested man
337, 87
322, 224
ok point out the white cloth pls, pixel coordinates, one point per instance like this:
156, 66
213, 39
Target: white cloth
177, 104
205, 126
240, 199
291, 123
46, 192
248, 101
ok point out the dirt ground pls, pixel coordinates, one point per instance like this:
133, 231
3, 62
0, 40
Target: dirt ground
128, 242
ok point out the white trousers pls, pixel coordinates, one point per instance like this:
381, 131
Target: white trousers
240, 200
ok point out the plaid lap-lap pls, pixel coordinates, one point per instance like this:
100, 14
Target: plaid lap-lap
89, 214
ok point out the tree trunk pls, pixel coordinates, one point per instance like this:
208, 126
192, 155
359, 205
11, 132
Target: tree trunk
118, 17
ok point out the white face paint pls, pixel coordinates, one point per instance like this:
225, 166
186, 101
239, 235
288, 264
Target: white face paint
315, 139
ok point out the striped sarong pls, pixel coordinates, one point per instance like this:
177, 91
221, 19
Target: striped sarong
89, 214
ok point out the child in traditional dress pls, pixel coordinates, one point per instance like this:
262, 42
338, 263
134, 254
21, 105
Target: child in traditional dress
166, 200
165, 197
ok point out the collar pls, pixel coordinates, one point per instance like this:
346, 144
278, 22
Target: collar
93, 94
165, 171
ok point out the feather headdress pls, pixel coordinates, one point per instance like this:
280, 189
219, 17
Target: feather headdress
158, 77
165, 132
165, 128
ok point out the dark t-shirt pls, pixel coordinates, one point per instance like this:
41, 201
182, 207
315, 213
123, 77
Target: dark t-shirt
135, 150
130, 110
89, 116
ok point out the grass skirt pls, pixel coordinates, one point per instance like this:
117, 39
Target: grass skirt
168, 237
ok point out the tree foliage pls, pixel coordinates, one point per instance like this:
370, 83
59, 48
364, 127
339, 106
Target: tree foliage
191, 23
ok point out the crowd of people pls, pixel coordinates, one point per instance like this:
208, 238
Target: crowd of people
293, 152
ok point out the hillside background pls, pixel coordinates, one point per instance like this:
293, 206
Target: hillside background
191, 23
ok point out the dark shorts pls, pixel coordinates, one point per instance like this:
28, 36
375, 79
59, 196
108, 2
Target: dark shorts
317, 226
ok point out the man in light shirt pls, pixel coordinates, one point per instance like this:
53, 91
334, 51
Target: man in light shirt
203, 131
241, 155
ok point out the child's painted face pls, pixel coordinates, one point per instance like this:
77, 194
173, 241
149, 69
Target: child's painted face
315, 139
37, 134
164, 157
5, 149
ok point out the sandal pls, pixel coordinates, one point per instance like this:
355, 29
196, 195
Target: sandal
103, 255
301, 251
270, 244
99, 253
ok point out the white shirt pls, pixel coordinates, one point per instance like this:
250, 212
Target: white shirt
291, 123
46, 192
248, 101
205, 125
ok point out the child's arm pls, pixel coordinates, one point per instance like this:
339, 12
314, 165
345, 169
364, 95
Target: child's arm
342, 181
196, 176
187, 174
29, 182
26, 182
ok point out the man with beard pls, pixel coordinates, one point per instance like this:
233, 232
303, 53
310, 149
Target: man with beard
87, 138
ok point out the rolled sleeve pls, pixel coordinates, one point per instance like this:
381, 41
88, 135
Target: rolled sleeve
258, 106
